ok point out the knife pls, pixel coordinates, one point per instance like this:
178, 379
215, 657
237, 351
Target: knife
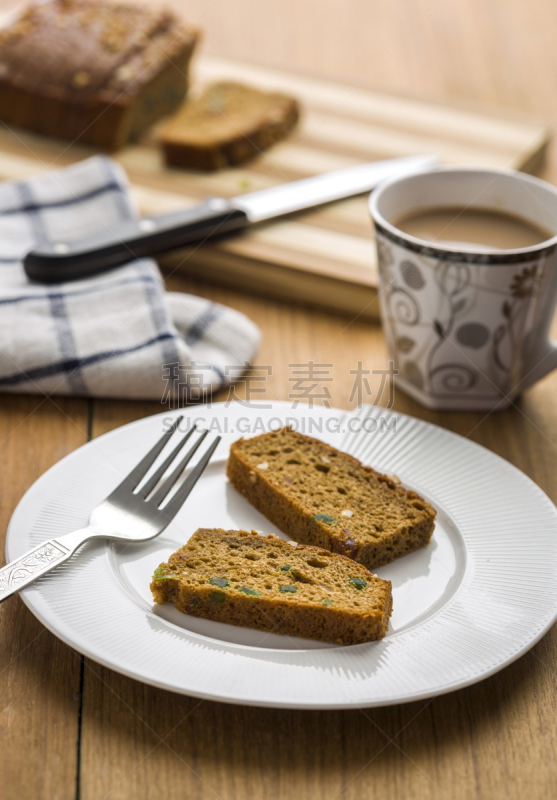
113, 246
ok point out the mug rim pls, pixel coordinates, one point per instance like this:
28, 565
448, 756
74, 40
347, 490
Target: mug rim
448, 253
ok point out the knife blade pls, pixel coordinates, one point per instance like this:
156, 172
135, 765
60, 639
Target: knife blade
113, 246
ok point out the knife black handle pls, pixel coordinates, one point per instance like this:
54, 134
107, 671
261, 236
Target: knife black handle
57, 262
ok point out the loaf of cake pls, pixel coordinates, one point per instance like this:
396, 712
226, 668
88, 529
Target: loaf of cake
93, 71
322, 497
229, 124
266, 583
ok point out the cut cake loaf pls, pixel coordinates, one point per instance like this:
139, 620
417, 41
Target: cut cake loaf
266, 583
98, 72
229, 124
323, 497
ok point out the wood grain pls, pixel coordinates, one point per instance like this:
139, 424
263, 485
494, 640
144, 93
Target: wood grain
493, 741
39, 676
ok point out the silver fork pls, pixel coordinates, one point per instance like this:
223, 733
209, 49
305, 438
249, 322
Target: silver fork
127, 514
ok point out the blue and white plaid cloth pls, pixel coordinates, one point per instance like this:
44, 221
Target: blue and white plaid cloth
113, 335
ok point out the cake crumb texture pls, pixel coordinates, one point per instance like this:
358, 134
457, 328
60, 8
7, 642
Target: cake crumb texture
323, 497
264, 582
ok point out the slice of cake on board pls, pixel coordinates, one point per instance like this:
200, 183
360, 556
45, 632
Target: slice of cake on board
323, 497
229, 124
267, 583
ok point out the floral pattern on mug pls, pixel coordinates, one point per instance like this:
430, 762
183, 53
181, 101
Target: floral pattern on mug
448, 330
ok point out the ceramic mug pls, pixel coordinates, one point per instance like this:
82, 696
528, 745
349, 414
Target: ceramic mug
468, 329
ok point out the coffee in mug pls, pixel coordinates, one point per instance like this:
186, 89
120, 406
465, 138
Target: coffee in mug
467, 262
472, 227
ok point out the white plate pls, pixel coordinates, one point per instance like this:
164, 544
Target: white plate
476, 599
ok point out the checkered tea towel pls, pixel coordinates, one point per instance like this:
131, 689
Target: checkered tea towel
118, 334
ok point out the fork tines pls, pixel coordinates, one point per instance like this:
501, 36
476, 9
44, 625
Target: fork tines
162, 491
175, 503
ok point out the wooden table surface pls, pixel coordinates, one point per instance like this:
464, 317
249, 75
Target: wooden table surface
72, 729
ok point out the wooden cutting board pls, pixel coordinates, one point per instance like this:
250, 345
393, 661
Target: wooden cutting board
325, 257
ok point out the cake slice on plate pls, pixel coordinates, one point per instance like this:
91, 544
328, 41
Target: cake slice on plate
267, 583
323, 497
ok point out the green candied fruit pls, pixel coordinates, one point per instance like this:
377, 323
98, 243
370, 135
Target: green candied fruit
287, 589
220, 582
286, 567
217, 597
250, 592
326, 519
358, 583
327, 602
161, 575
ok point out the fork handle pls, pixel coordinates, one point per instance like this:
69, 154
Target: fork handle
36, 562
